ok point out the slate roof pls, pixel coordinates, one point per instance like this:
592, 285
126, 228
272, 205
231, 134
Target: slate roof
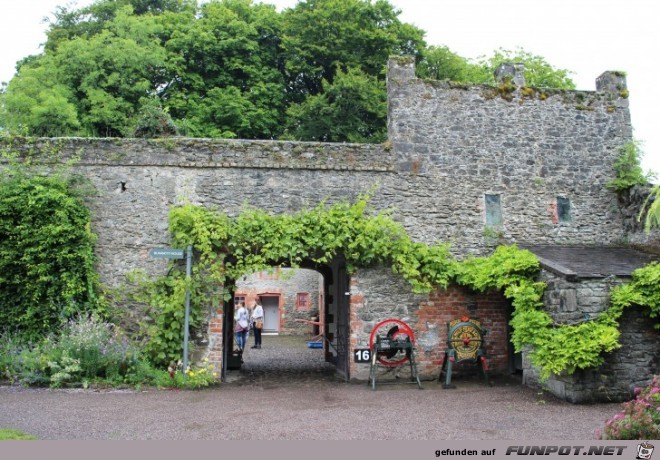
591, 262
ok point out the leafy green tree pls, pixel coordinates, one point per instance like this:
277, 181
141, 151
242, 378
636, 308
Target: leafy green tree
230, 68
154, 121
628, 168
112, 71
538, 72
440, 63
226, 65
323, 36
351, 109
90, 85
35, 100
85, 22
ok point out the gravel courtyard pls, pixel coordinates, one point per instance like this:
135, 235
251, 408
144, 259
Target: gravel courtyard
285, 391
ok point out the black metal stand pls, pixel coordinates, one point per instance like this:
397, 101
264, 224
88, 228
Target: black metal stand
448, 364
385, 347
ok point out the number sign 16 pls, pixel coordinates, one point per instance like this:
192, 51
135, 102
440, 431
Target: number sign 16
362, 355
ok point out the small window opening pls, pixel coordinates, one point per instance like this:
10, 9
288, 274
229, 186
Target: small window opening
563, 209
493, 210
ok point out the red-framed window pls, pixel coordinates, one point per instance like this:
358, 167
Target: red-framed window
302, 301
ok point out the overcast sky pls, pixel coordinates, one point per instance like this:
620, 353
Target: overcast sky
585, 36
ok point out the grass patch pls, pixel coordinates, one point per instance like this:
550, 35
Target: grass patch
7, 434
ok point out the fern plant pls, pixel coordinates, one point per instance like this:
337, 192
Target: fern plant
651, 209
628, 168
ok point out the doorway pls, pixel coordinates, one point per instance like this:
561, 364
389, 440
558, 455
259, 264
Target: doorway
271, 305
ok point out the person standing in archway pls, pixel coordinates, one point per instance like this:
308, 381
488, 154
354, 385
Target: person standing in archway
258, 323
242, 326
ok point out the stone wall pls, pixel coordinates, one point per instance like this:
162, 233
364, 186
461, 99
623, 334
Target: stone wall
527, 145
449, 147
576, 301
629, 367
138, 181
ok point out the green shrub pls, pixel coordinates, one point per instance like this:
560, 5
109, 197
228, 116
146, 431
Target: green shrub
639, 418
200, 376
100, 348
88, 351
195, 376
153, 120
65, 371
140, 372
91, 352
7, 357
24, 362
164, 319
46, 255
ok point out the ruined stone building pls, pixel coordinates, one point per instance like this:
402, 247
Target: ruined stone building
474, 166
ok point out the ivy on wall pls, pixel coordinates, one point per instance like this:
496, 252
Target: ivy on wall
643, 290
228, 248
554, 348
163, 320
46, 254
256, 240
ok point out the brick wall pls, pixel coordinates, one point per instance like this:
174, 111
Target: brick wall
427, 315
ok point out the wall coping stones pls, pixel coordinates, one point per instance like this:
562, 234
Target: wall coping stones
209, 153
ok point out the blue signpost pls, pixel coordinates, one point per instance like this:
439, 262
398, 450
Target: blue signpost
172, 253
166, 253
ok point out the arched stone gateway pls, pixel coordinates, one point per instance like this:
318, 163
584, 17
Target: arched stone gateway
335, 332
462, 165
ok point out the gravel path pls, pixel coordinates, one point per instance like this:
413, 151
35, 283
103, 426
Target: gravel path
285, 391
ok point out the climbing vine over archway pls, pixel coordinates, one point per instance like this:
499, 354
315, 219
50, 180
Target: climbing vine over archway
256, 240
228, 248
